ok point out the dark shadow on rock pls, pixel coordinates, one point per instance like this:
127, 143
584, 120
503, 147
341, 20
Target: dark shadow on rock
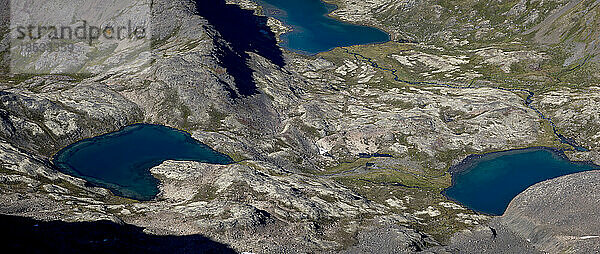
244, 32
25, 235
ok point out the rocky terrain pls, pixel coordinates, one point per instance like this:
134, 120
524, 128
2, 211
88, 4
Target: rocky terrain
554, 216
538, 214
332, 153
476, 23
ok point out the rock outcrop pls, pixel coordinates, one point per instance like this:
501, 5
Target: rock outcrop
555, 216
558, 215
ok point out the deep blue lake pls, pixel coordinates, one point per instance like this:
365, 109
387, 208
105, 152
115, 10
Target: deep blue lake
489, 182
314, 31
120, 161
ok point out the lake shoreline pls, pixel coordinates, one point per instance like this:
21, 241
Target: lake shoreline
124, 168
281, 15
470, 162
461, 166
52, 156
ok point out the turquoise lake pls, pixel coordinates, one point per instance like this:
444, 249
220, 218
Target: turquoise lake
314, 31
120, 161
489, 182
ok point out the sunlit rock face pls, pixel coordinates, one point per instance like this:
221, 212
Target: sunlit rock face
90, 37
558, 215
